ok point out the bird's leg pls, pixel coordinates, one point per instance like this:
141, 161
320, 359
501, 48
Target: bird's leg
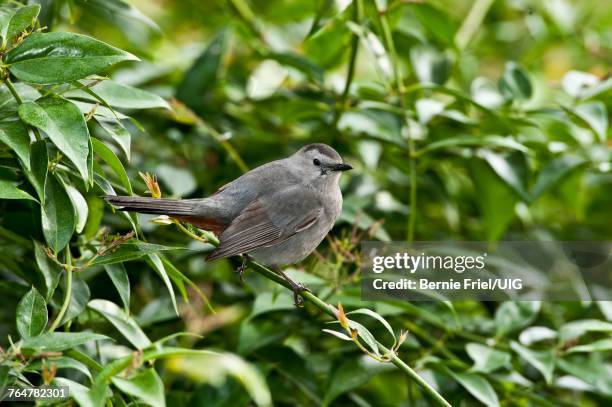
243, 266
297, 288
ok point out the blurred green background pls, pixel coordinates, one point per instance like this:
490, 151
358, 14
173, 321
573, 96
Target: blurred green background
465, 120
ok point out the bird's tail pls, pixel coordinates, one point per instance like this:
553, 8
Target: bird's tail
156, 206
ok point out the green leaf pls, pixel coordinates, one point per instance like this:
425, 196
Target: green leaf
575, 83
337, 334
535, 334
123, 322
8, 103
179, 279
85, 397
120, 14
131, 250
31, 314
59, 341
543, 361
351, 374
366, 336
80, 206
111, 159
58, 219
116, 272
39, 165
473, 141
94, 218
14, 134
496, 199
128, 97
328, 46
486, 359
515, 83
180, 181
59, 57
201, 79
372, 314
435, 21
61, 362
218, 366
575, 329
145, 386
602, 345
9, 191
118, 132
512, 315
50, 271
485, 93
155, 262
507, 171
595, 115
553, 172
430, 65
20, 20
478, 387
63, 122
376, 124
4, 377
269, 301
90, 165
592, 370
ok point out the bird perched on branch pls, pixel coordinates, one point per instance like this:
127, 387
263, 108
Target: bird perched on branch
277, 213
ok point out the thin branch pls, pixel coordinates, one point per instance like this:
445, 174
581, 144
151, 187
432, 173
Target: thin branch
357, 16
471, 23
19, 101
333, 312
67, 294
399, 84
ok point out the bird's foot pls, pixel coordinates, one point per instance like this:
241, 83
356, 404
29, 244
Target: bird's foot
297, 288
243, 266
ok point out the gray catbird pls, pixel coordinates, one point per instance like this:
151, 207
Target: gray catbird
277, 213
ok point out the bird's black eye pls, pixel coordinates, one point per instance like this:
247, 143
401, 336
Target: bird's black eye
316, 162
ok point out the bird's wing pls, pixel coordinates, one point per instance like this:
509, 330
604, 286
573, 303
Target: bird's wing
268, 221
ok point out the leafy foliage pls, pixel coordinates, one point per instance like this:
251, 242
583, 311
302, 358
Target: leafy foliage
464, 120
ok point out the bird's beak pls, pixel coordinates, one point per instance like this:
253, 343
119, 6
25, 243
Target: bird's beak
340, 167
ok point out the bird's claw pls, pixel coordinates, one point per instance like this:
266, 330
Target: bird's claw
243, 266
298, 289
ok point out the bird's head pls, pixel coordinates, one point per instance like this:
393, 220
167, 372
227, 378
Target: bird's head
318, 163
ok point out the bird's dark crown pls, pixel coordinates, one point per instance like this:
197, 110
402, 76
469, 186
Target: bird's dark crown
322, 149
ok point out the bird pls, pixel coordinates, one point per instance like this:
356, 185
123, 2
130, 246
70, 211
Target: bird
276, 214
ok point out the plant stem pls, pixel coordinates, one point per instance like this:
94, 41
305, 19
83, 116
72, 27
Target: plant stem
76, 354
399, 84
247, 16
19, 101
67, 294
471, 23
357, 16
229, 148
333, 312
190, 234
400, 364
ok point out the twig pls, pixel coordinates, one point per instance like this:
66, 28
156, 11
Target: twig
67, 294
357, 16
333, 312
19, 101
399, 84
471, 23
